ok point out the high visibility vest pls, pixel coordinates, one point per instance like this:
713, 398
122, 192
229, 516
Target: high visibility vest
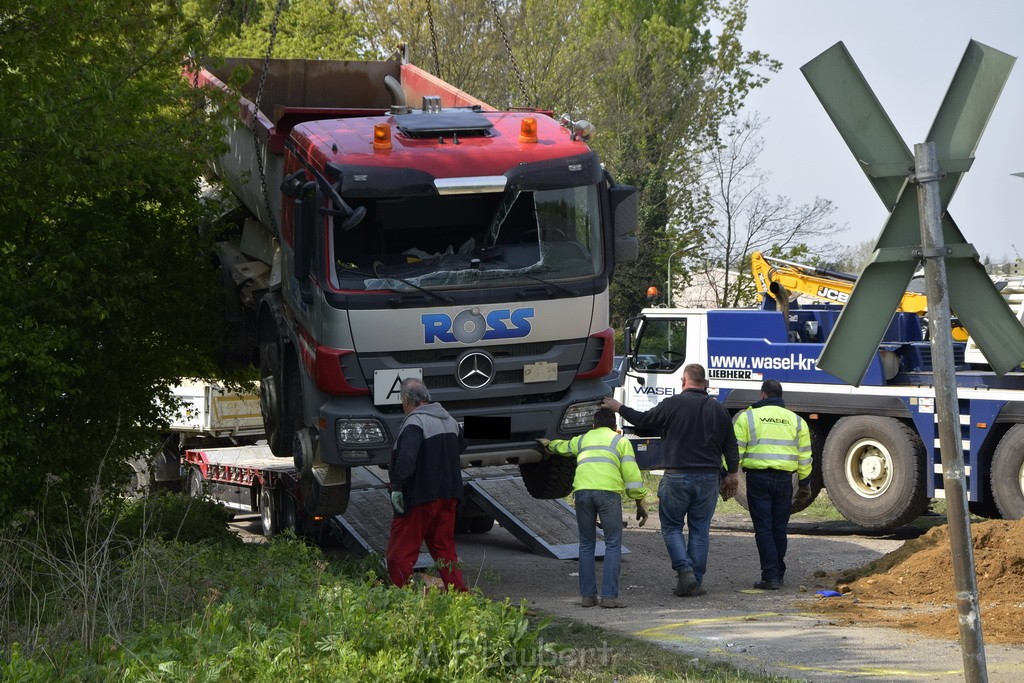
772, 437
604, 462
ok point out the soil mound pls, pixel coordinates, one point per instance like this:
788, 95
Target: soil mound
912, 587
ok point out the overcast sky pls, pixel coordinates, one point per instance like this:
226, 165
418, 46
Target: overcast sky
908, 51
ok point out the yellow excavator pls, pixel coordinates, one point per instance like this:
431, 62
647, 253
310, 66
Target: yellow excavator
782, 280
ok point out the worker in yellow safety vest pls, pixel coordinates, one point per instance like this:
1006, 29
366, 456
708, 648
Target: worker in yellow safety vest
605, 468
774, 442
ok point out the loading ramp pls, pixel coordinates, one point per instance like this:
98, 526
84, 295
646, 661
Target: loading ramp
545, 527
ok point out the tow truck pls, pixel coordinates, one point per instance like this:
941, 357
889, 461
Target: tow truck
876, 446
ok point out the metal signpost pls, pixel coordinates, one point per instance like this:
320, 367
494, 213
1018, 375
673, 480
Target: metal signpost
919, 228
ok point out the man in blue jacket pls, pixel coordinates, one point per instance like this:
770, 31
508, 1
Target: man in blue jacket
696, 433
426, 487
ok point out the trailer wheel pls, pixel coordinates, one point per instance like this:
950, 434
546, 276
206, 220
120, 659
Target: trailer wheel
549, 479
196, 486
280, 397
1008, 473
481, 524
292, 517
269, 512
873, 469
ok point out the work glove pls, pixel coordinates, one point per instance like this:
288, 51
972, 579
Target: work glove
544, 452
802, 498
398, 502
641, 513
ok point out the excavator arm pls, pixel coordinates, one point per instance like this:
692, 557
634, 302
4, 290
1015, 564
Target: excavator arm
783, 280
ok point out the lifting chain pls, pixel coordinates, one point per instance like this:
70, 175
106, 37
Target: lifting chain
433, 38
511, 57
255, 118
195, 63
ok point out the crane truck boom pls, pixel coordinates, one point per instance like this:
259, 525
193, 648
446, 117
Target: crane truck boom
438, 239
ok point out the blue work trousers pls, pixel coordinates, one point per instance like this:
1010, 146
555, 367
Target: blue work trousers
606, 505
769, 501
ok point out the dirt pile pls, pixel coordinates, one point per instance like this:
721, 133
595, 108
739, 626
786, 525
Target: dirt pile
912, 587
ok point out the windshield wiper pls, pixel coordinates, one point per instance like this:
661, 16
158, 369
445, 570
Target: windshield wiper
375, 274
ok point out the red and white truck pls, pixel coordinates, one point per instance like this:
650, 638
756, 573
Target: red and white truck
394, 227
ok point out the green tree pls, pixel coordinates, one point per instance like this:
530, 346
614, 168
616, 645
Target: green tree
305, 29
103, 275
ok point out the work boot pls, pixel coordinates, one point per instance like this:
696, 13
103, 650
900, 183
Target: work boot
685, 583
767, 585
612, 603
588, 601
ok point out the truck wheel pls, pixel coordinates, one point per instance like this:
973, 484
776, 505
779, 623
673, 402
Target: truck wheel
549, 479
873, 469
481, 524
280, 398
324, 501
1008, 473
269, 512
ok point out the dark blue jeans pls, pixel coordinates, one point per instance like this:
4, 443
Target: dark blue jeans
688, 499
769, 500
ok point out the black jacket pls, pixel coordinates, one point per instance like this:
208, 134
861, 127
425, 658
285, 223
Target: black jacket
425, 463
696, 431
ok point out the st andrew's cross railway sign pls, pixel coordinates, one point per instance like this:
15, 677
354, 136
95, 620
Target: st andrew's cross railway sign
888, 163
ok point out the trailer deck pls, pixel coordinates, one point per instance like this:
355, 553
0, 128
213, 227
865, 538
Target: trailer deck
236, 477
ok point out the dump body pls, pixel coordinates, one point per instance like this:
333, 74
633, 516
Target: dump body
397, 227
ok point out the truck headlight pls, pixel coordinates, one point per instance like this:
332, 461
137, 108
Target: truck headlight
357, 432
579, 416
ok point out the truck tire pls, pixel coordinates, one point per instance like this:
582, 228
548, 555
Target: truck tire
324, 501
815, 480
816, 486
549, 479
270, 513
874, 471
1008, 473
280, 398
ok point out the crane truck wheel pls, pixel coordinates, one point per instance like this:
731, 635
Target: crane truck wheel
1008, 473
549, 479
815, 480
280, 397
873, 469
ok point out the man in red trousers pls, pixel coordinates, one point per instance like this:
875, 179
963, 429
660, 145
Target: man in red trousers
426, 487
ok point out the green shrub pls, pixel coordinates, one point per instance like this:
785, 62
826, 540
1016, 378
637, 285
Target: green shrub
174, 517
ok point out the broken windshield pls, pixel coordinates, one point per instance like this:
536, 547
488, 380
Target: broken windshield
471, 241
